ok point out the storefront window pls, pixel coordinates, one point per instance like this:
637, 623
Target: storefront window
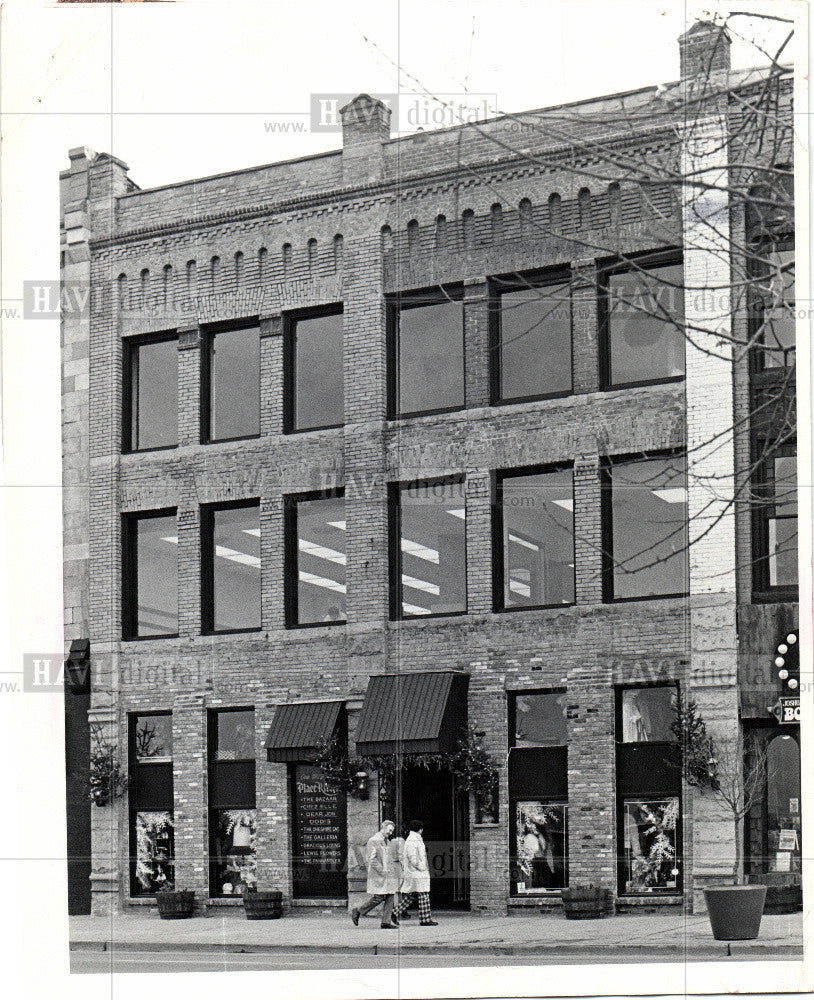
649, 841
648, 714
150, 800
234, 854
232, 801
784, 827
542, 834
154, 851
539, 720
152, 736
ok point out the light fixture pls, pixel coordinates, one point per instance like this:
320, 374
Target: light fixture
791, 638
782, 649
783, 674
793, 683
779, 661
360, 785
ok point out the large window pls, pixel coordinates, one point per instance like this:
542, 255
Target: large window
531, 339
775, 506
230, 392
150, 799
773, 304
426, 337
232, 802
538, 791
314, 373
645, 527
231, 567
428, 548
316, 559
535, 539
150, 394
150, 574
642, 321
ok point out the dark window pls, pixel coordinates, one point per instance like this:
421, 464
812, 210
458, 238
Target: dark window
536, 539
150, 801
539, 719
773, 304
427, 353
150, 394
428, 526
315, 559
231, 567
150, 574
232, 800
531, 339
314, 374
231, 391
642, 315
775, 505
645, 527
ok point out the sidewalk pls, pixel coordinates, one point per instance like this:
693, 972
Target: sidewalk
327, 931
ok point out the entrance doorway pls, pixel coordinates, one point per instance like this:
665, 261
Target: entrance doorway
430, 795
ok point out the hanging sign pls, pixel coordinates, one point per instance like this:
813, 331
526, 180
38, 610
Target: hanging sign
787, 711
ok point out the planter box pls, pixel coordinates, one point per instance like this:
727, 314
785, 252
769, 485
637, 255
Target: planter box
263, 905
735, 911
175, 905
782, 894
587, 903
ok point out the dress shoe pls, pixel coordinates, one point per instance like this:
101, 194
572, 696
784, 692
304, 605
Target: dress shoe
429, 923
405, 915
394, 920
389, 927
354, 915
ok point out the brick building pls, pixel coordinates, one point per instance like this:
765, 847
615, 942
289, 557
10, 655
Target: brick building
360, 447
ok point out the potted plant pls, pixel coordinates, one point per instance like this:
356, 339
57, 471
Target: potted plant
262, 905
106, 779
174, 904
736, 781
587, 902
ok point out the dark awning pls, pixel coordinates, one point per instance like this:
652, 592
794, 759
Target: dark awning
413, 713
301, 727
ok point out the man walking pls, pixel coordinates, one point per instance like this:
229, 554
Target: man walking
379, 877
416, 876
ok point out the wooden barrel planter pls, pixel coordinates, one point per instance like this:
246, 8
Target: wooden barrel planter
175, 905
589, 902
263, 905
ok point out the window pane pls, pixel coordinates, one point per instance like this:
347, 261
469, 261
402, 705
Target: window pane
785, 485
538, 539
648, 714
539, 720
234, 390
154, 394
153, 737
542, 839
153, 835
649, 844
646, 316
783, 552
321, 560
783, 804
535, 341
431, 357
433, 548
236, 568
778, 313
318, 392
234, 854
156, 576
234, 735
649, 500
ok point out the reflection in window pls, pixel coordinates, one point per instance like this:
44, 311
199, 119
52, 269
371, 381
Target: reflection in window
542, 838
234, 734
150, 576
645, 324
316, 574
648, 714
429, 340
234, 854
152, 738
539, 720
316, 377
649, 836
432, 548
534, 327
649, 527
775, 306
777, 511
234, 384
154, 851
151, 395
538, 539
233, 538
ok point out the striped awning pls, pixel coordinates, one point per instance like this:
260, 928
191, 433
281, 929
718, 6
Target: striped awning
300, 728
413, 713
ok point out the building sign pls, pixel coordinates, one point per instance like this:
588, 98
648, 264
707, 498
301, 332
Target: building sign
787, 711
320, 834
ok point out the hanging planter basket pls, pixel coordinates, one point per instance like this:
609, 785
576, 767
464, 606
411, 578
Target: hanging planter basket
587, 902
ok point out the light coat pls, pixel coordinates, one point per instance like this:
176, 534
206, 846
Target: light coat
416, 869
396, 851
379, 865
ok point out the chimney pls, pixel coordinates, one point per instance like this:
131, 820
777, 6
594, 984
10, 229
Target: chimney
704, 51
365, 126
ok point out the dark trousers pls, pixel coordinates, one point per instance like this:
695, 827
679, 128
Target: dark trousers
373, 901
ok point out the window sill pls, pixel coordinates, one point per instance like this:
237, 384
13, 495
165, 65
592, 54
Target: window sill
648, 597
534, 607
149, 638
233, 440
411, 619
398, 417
784, 595
149, 451
515, 400
295, 431
644, 384
213, 633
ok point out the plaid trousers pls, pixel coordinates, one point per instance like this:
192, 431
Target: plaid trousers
423, 905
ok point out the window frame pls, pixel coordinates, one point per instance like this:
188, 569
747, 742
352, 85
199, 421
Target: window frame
500, 285
208, 332
498, 574
763, 485
397, 302
644, 261
207, 567
291, 552
290, 320
759, 372
606, 518
129, 574
130, 346
134, 891
395, 560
